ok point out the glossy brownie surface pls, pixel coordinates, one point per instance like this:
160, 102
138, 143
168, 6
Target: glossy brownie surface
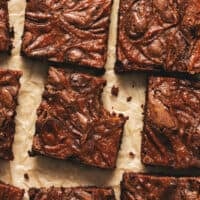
9, 87
8, 192
146, 187
171, 135
72, 122
157, 35
87, 193
5, 42
67, 31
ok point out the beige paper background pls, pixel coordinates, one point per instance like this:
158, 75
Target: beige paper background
47, 172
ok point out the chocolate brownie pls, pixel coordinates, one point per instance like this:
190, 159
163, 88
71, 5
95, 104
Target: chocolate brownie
72, 122
5, 34
145, 187
67, 31
9, 87
9, 192
171, 135
159, 35
79, 193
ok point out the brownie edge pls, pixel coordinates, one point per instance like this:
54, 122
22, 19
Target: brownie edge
144, 186
78, 193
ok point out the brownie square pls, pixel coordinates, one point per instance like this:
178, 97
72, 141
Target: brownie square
9, 192
171, 135
9, 87
72, 122
145, 187
159, 36
5, 34
79, 193
75, 32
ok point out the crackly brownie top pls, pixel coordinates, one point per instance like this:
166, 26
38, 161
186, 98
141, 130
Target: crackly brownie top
5, 43
159, 35
87, 193
8, 192
141, 186
172, 123
67, 31
9, 87
73, 123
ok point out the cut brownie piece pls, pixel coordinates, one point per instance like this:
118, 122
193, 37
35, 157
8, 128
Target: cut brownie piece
72, 122
145, 187
5, 35
9, 87
9, 192
171, 135
155, 35
79, 193
67, 31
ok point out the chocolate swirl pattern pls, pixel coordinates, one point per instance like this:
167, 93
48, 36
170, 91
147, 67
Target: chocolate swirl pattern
159, 35
171, 135
72, 122
67, 31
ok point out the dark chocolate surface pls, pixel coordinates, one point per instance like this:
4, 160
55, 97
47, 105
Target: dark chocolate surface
171, 135
67, 31
87, 193
9, 87
150, 187
8, 192
157, 35
5, 42
72, 122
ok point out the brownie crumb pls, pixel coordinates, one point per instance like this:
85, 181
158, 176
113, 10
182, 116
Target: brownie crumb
26, 176
142, 106
31, 153
131, 154
133, 85
115, 91
128, 98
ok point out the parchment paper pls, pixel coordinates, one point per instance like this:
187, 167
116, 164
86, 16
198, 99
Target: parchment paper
47, 172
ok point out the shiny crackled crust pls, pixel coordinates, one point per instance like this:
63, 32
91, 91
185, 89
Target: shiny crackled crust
72, 122
140, 186
5, 34
9, 192
79, 193
9, 88
171, 135
157, 35
67, 31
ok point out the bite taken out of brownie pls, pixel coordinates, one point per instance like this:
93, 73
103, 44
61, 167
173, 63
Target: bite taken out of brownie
171, 134
78, 193
75, 32
159, 35
72, 122
9, 192
9, 88
136, 186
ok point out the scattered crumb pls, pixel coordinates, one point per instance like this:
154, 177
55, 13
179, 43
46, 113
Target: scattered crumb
131, 154
26, 176
133, 85
31, 153
128, 98
115, 91
142, 106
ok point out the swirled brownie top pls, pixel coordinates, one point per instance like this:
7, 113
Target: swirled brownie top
5, 35
142, 186
8, 192
67, 31
159, 35
9, 87
87, 193
72, 122
171, 135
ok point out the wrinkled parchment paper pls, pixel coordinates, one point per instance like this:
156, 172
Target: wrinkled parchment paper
45, 171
